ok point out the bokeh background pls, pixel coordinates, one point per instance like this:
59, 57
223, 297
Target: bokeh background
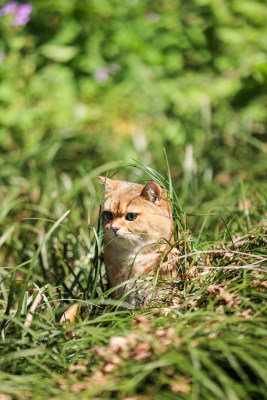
86, 87
87, 83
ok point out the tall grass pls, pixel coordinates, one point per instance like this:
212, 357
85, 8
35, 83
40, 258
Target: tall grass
206, 341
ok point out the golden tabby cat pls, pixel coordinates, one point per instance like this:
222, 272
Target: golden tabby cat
138, 230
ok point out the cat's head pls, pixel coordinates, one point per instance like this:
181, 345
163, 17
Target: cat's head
135, 215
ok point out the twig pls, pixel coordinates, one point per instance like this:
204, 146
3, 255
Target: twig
222, 251
29, 317
260, 259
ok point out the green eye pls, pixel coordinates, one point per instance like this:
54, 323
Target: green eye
131, 216
109, 215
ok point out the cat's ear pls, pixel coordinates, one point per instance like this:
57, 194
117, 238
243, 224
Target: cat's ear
110, 184
152, 192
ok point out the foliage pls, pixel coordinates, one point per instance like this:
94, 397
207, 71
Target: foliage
86, 84
139, 76
207, 341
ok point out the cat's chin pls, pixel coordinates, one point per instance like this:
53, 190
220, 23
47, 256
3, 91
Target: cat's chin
125, 242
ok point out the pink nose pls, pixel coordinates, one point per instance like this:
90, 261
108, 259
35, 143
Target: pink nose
115, 229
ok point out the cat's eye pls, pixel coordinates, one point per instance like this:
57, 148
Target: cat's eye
109, 215
131, 216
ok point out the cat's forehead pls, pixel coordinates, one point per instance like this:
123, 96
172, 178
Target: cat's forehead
124, 194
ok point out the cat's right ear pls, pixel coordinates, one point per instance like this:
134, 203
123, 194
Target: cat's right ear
110, 184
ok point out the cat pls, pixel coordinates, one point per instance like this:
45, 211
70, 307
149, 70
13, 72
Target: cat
138, 231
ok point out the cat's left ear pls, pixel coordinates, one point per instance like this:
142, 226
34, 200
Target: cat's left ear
110, 184
152, 192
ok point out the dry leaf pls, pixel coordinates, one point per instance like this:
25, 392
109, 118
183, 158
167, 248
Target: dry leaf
70, 314
141, 321
108, 368
245, 314
141, 351
219, 292
238, 240
77, 367
118, 343
180, 388
80, 386
170, 268
4, 397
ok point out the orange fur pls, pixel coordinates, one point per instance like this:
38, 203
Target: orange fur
133, 248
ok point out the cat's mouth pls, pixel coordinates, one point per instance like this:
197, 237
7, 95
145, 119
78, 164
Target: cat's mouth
125, 239
123, 236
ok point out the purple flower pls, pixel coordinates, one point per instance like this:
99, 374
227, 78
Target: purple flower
21, 12
8, 8
2, 54
101, 75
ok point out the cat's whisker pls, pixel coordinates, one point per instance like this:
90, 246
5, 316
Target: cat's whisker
141, 244
139, 241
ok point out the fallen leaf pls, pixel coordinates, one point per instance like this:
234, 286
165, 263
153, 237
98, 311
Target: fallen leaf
180, 388
80, 386
141, 351
4, 397
142, 322
70, 314
118, 343
108, 368
219, 292
245, 314
78, 367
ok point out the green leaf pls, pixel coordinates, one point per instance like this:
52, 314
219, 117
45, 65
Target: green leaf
59, 53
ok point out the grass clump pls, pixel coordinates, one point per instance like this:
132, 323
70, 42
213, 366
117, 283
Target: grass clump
85, 84
207, 341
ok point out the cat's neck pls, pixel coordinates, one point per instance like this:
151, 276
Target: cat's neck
123, 264
124, 267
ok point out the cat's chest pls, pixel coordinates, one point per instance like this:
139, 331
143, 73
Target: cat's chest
123, 263
118, 255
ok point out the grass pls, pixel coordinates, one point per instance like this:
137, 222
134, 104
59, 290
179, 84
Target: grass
207, 342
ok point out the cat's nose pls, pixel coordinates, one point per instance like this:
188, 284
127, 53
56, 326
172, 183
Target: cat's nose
115, 229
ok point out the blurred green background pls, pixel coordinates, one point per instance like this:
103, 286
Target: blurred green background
90, 82
85, 87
